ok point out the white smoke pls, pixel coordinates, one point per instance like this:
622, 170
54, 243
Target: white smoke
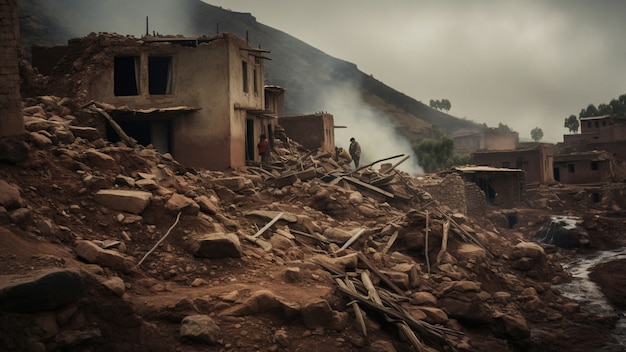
369, 127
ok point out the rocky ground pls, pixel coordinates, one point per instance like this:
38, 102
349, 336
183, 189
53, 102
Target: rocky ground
111, 248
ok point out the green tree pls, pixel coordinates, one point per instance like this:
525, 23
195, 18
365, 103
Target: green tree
536, 134
442, 105
571, 123
590, 111
604, 109
438, 154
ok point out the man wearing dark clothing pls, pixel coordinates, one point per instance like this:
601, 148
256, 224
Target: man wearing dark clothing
355, 152
263, 152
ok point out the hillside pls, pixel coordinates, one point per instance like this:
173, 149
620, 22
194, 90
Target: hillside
314, 80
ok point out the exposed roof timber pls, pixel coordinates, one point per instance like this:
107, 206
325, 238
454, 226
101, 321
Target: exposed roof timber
159, 110
256, 50
470, 169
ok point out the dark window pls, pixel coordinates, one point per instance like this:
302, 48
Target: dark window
570, 168
604, 123
594, 165
256, 82
244, 69
125, 76
160, 75
597, 124
589, 124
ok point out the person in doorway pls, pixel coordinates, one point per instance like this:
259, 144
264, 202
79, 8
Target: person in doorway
355, 152
262, 147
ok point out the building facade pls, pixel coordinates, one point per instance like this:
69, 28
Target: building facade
537, 163
201, 99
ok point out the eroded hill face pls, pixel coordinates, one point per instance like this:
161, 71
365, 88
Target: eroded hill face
119, 248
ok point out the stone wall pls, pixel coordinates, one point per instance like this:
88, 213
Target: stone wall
453, 192
448, 191
11, 121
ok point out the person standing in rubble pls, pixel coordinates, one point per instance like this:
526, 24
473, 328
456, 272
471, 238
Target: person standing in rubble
263, 152
355, 152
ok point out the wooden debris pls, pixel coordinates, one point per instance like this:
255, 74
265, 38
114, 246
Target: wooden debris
268, 225
352, 240
444, 241
161, 240
390, 243
426, 244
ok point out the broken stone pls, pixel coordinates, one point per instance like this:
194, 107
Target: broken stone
200, 328
316, 313
10, 197
217, 245
94, 254
179, 202
206, 205
124, 200
264, 301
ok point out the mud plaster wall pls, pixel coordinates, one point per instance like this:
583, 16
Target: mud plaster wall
11, 121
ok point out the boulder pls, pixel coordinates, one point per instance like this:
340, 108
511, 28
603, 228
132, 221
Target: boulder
10, 197
216, 245
200, 328
40, 291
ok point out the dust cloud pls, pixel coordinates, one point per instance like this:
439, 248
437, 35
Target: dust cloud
369, 127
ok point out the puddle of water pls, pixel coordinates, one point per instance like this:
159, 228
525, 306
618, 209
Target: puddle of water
588, 294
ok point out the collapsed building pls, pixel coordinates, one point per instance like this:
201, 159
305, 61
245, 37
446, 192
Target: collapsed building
202, 99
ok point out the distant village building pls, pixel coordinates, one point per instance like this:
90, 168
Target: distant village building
11, 121
202, 99
537, 162
491, 139
586, 167
599, 133
312, 131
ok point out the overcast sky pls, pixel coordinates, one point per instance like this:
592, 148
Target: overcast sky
526, 64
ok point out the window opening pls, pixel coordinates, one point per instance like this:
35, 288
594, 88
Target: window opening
160, 75
244, 69
595, 166
126, 75
570, 168
256, 82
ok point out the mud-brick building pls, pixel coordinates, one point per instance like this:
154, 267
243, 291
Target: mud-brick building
491, 139
587, 167
536, 162
605, 132
312, 131
11, 121
202, 99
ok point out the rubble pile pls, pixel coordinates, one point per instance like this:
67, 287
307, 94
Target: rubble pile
110, 247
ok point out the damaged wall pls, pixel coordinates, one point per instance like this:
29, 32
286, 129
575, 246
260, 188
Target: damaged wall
218, 78
11, 121
312, 131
